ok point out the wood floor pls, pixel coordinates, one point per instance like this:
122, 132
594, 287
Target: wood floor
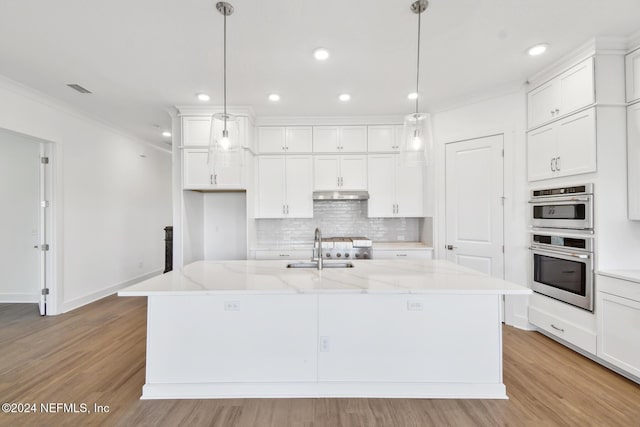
96, 354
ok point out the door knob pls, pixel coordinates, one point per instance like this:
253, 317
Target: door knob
451, 247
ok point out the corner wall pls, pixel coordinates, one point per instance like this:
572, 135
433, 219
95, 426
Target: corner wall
112, 197
504, 114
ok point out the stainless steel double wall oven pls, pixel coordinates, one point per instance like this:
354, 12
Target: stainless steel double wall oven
562, 244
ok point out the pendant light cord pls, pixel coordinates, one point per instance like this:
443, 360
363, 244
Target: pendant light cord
418, 64
225, 73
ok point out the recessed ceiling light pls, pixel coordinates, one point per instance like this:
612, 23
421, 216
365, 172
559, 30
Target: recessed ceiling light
412, 96
344, 97
274, 97
166, 134
203, 97
537, 49
321, 54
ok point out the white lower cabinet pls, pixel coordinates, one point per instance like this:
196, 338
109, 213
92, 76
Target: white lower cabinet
284, 254
619, 323
563, 148
571, 324
434, 338
285, 186
395, 190
348, 172
224, 174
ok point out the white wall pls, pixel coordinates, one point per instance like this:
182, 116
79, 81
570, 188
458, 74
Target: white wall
225, 225
110, 204
505, 114
19, 218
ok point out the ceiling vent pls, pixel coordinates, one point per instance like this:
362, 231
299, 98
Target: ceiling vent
78, 88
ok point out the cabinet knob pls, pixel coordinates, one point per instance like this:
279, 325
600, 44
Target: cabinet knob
557, 111
553, 112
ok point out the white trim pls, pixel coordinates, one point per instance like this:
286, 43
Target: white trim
18, 298
57, 104
479, 97
87, 299
633, 41
328, 120
323, 390
209, 110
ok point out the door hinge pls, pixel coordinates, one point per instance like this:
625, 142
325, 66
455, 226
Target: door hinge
44, 160
45, 291
503, 152
44, 246
502, 248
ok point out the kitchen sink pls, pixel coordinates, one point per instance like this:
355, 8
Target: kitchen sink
325, 264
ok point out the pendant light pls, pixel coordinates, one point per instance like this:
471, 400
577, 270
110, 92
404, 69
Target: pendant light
224, 126
417, 140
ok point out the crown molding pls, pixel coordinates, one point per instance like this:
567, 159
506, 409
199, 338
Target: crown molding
633, 41
328, 120
209, 110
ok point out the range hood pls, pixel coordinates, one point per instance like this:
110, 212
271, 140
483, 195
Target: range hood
340, 195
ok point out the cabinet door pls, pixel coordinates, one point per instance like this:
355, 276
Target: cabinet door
325, 139
299, 140
353, 171
632, 64
541, 151
576, 88
576, 144
381, 139
196, 131
381, 179
299, 185
196, 172
271, 139
326, 171
633, 160
271, 187
353, 139
409, 190
618, 323
542, 103
227, 171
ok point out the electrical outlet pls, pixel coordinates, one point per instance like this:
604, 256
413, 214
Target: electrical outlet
414, 305
324, 344
232, 306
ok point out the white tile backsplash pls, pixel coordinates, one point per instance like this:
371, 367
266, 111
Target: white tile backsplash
335, 218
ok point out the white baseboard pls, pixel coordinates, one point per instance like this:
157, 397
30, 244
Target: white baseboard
87, 299
19, 298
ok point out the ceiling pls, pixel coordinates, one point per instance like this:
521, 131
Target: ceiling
141, 57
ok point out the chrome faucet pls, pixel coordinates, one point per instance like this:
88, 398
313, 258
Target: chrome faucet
317, 245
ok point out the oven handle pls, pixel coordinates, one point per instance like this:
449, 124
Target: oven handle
551, 251
557, 201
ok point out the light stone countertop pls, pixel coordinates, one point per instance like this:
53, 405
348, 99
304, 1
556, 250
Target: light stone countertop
368, 276
630, 275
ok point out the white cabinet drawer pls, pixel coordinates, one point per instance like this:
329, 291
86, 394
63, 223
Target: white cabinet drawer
285, 254
563, 329
402, 254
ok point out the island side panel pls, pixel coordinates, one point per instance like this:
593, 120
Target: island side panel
231, 339
411, 338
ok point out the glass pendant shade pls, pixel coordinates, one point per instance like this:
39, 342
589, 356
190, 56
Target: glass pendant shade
223, 142
417, 139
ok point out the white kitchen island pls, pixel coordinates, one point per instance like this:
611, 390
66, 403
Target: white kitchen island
385, 328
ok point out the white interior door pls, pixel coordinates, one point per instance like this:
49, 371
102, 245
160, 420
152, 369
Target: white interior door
21, 257
474, 204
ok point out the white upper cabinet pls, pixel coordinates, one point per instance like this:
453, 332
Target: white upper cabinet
563, 148
633, 160
348, 172
285, 186
395, 190
339, 139
570, 91
223, 174
632, 64
196, 131
278, 139
383, 139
